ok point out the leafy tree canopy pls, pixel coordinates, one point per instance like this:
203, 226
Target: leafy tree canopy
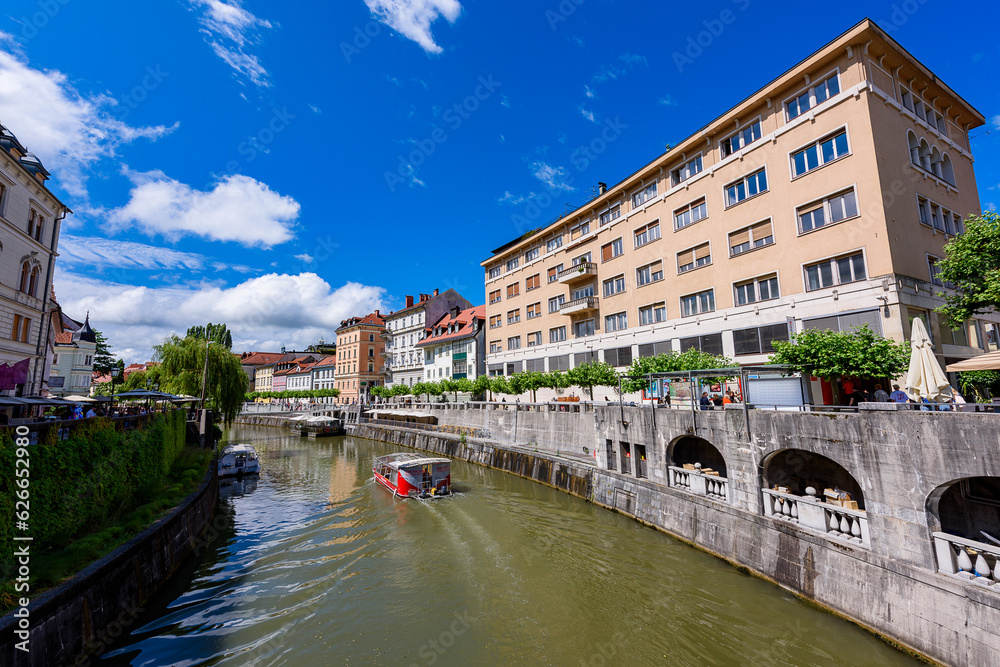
972, 265
828, 354
980, 385
104, 361
671, 362
217, 333
593, 374
180, 372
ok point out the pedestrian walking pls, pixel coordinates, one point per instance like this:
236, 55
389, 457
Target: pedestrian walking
880, 395
898, 395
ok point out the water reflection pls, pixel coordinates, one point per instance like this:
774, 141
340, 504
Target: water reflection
315, 564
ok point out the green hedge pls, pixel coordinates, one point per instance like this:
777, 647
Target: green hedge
79, 483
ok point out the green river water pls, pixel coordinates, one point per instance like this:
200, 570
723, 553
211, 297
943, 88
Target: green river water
314, 564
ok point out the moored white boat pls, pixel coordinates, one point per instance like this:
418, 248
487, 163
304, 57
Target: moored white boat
239, 460
413, 475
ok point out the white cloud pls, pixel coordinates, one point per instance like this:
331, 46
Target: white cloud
315, 109
264, 313
230, 29
238, 208
614, 71
413, 18
305, 258
589, 92
504, 101
553, 177
108, 253
589, 115
996, 122
511, 198
667, 101
69, 132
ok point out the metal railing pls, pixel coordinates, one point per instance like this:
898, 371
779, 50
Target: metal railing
582, 269
588, 303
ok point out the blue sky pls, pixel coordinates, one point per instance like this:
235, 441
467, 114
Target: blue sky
281, 166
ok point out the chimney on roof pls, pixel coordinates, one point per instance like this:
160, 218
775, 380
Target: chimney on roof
435, 292
377, 314
409, 300
602, 188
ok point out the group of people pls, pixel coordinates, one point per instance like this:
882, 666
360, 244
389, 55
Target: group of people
852, 394
707, 402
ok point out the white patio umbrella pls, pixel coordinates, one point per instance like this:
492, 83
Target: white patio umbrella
76, 398
924, 379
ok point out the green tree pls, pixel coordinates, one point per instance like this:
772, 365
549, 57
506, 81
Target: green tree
499, 384
593, 374
182, 361
399, 390
481, 386
530, 381
972, 265
217, 333
828, 354
671, 362
980, 385
104, 361
381, 392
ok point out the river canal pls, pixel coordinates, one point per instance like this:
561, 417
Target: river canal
313, 564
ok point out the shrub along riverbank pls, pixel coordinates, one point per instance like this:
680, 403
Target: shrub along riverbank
91, 492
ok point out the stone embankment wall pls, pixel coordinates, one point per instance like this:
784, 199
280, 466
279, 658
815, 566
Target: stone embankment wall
886, 578
83, 616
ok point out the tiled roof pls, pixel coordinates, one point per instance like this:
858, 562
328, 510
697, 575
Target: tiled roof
261, 358
327, 361
372, 319
64, 338
466, 321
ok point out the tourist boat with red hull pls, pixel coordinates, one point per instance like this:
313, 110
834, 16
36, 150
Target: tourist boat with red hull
413, 475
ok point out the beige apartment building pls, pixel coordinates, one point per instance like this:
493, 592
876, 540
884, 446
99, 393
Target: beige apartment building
823, 201
360, 357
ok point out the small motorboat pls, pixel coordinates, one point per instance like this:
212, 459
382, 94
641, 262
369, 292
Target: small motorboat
239, 460
413, 476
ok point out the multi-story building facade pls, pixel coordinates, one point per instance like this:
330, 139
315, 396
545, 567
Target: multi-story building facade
252, 362
406, 327
823, 201
324, 376
454, 345
299, 377
73, 359
30, 217
360, 357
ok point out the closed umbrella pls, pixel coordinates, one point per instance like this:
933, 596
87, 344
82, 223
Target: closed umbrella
925, 379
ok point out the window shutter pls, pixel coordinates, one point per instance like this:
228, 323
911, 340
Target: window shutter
761, 230
739, 238
701, 252
686, 257
606, 253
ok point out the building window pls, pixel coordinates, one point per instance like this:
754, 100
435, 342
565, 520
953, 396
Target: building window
690, 214
758, 340
741, 139
650, 273
748, 238
840, 206
35, 223
710, 344
611, 214
514, 343
534, 310
647, 234
371, 338
815, 95
557, 334
610, 454
533, 282
696, 304
611, 250
579, 231
924, 211
513, 290
495, 296
749, 186
614, 285
553, 243
820, 153
653, 314
644, 195
836, 271
693, 258
495, 272
616, 322
534, 339
582, 259
618, 356
583, 292
512, 263
514, 316
556, 302
532, 254
758, 289
496, 321
685, 171
553, 273
495, 346
936, 217
584, 328
935, 270
21, 328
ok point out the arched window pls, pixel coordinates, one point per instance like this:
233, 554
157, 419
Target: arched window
33, 282
911, 140
936, 162
925, 155
25, 276
947, 169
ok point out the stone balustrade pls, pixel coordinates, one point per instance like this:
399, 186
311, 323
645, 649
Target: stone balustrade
968, 559
699, 483
813, 514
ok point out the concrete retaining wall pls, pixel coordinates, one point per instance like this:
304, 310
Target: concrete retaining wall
900, 460
84, 615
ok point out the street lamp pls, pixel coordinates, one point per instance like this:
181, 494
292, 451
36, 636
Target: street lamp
115, 371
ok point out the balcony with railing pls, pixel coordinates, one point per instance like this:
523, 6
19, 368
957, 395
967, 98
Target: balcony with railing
577, 272
698, 482
836, 522
581, 305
